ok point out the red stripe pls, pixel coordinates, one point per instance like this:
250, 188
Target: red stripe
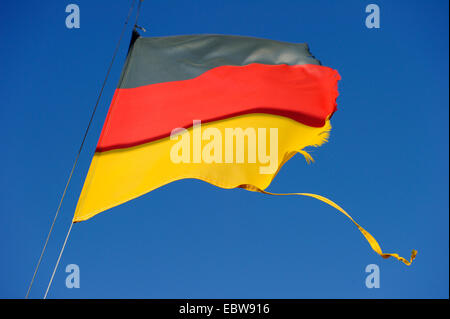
305, 93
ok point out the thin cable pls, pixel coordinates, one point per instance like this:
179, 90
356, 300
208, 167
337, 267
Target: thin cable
57, 262
81, 147
137, 13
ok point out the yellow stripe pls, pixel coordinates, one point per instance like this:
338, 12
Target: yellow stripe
118, 176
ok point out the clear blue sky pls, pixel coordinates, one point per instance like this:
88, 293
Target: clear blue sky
386, 162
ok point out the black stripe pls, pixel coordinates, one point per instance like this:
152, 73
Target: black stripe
164, 59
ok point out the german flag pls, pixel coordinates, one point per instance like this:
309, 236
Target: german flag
223, 82
228, 110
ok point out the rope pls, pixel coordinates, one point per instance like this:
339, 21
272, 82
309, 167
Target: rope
80, 149
137, 13
57, 262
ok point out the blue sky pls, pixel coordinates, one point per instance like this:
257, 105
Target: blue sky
386, 162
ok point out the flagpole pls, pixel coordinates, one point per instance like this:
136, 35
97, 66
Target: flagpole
76, 161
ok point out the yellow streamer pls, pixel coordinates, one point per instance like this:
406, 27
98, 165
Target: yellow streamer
373, 243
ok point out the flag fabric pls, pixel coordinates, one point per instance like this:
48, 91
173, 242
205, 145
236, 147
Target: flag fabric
222, 81
227, 110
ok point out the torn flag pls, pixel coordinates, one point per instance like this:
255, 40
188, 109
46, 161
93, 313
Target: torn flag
224, 82
227, 110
